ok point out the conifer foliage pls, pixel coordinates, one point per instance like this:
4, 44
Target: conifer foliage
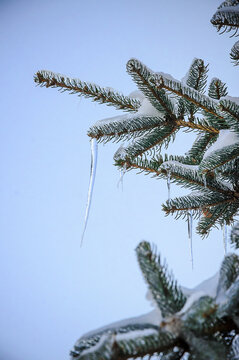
186, 324
208, 169
226, 19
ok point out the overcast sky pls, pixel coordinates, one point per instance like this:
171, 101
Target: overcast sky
52, 291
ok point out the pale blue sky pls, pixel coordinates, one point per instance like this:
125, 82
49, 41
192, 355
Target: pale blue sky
52, 290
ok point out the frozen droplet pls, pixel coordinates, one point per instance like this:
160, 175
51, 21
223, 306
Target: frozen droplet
94, 155
190, 235
122, 173
169, 183
224, 232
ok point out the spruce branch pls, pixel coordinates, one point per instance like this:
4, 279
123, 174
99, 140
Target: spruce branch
81, 88
219, 157
228, 273
142, 75
124, 127
201, 326
217, 89
144, 345
231, 303
124, 342
169, 106
226, 18
163, 287
234, 54
200, 145
202, 318
205, 349
197, 75
196, 201
235, 236
231, 111
201, 126
189, 94
157, 136
196, 79
142, 164
218, 215
189, 177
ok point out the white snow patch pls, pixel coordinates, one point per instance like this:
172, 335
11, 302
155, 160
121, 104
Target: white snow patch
165, 75
232, 98
171, 164
154, 317
119, 118
225, 138
137, 94
147, 108
96, 346
192, 298
227, 9
208, 287
120, 153
135, 334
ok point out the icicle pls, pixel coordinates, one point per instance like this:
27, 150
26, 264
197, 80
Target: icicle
190, 235
122, 172
94, 154
169, 183
224, 231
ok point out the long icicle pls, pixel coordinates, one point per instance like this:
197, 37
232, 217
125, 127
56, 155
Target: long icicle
122, 173
94, 155
190, 235
224, 230
169, 183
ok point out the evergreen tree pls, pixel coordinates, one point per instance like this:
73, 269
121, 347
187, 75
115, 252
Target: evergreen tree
226, 19
185, 324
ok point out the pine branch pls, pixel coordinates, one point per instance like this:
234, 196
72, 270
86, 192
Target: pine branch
189, 94
201, 327
217, 89
205, 349
226, 18
231, 110
101, 349
230, 305
234, 54
200, 146
189, 177
124, 342
218, 215
235, 236
124, 127
214, 121
177, 354
201, 126
75, 86
195, 201
144, 345
157, 136
219, 157
141, 75
196, 79
197, 75
227, 3
228, 273
142, 164
163, 287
